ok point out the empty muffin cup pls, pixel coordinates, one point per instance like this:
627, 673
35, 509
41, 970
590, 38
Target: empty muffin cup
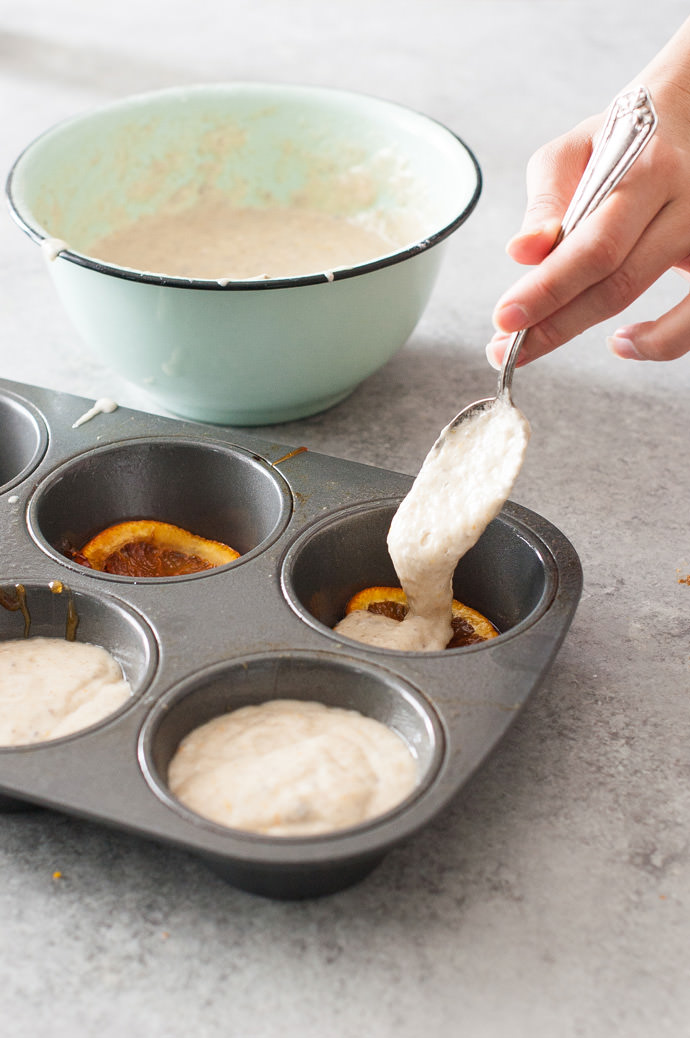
23, 442
216, 491
304, 865
505, 576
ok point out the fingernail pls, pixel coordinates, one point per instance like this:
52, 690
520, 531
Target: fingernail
511, 317
622, 345
492, 355
496, 348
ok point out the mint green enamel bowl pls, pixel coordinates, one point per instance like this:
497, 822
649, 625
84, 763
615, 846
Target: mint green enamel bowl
245, 352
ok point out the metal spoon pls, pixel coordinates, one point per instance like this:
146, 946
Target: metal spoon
630, 122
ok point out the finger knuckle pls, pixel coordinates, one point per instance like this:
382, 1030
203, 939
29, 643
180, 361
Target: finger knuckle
605, 254
551, 298
619, 290
544, 338
539, 158
544, 202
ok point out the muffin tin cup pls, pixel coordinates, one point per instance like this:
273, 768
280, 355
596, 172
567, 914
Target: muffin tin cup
54, 610
220, 492
23, 442
339, 555
312, 531
338, 857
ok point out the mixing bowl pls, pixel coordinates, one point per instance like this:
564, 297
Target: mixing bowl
246, 350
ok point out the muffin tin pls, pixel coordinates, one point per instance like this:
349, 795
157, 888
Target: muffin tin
311, 531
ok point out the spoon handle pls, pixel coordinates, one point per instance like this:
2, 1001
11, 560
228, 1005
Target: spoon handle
630, 122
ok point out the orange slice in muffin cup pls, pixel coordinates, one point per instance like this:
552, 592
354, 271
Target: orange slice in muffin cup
469, 626
149, 548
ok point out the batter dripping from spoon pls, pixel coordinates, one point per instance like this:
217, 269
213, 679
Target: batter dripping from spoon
464, 482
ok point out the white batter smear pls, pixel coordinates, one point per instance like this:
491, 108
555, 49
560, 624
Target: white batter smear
292, 768
50, 687
461, 487
52, 247
104, 405
214, 240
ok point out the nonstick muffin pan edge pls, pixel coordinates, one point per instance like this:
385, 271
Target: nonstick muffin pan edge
312, 527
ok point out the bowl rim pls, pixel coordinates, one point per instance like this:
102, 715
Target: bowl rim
247, 284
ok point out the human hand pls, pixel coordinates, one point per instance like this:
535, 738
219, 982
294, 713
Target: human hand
639, 232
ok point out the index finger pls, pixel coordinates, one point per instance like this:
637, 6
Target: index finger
592, 252
553, 174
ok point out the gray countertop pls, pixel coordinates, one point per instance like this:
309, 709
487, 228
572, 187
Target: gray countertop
552, 897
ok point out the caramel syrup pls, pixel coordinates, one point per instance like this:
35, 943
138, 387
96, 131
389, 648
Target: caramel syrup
57, 587
18, 602
15, 599
292, 454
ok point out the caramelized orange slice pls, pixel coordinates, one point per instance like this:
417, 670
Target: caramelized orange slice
149, 548
469, 626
